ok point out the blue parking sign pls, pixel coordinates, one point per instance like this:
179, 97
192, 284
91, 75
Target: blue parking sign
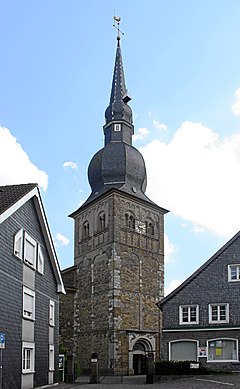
2, 340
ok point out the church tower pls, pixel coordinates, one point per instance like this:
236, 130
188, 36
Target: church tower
119, 253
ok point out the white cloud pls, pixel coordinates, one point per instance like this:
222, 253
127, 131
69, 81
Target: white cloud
236, 105
72, 165
62, 239
141, 134
198, 229
173, 285
169, 249
15, 165
195, 176
158, 125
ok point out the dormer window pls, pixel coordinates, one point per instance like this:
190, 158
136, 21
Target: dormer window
117, 127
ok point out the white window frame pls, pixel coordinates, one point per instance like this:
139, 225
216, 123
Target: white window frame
51, 313
40, 260
18, 244
222, 340
28, 238
226, 320
196, 306
51, 357
117, 127
31, 293
192, 341
28, 355
230, 279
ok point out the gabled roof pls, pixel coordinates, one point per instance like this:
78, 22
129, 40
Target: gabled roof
12, 197
11, 194
198, 271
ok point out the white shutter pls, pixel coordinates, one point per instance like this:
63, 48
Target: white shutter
30, 247
28, 303
40, 264
18, 241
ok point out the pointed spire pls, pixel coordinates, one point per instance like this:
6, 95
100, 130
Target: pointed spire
119, 91
118, 108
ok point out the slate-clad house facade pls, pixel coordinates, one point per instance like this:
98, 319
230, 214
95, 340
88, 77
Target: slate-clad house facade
201, 318
30, 283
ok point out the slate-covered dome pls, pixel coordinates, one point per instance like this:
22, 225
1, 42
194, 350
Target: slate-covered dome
117, 165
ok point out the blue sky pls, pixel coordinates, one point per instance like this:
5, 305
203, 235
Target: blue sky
182, 69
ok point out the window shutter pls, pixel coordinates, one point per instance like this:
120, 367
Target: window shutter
18, 244
30, 250
28, 303
40, 264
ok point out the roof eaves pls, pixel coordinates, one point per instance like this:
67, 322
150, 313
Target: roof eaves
14, 207
106, 193
49, 241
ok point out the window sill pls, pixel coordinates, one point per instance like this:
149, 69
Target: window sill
100, 231
28, 372
85, 239
28, 318
233, 280
223, 361
17, 256
29, 264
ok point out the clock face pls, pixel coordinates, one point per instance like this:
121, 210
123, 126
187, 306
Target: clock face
140, 226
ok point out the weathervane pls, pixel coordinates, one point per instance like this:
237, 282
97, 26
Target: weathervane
117, 20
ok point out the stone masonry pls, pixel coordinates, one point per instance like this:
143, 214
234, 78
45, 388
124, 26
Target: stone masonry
119, 279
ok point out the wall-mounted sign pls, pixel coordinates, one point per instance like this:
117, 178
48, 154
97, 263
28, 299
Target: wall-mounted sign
2, 340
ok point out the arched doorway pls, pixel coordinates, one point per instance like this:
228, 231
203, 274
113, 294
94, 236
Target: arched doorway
140, 350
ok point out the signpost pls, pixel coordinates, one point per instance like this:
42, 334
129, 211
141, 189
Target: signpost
2, 346
61, 367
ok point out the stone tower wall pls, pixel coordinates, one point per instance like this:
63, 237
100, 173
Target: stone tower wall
119, 278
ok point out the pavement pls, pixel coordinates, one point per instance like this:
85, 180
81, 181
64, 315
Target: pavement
134, 382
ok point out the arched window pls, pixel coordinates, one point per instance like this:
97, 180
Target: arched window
150, 227
222, 349
85, 229
129, 221
101, 221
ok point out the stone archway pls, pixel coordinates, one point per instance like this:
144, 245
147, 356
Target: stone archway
141, 348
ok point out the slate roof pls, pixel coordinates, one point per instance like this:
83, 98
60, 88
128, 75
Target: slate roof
13, 197
198, 271
118, 108
118, 165
10, 194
